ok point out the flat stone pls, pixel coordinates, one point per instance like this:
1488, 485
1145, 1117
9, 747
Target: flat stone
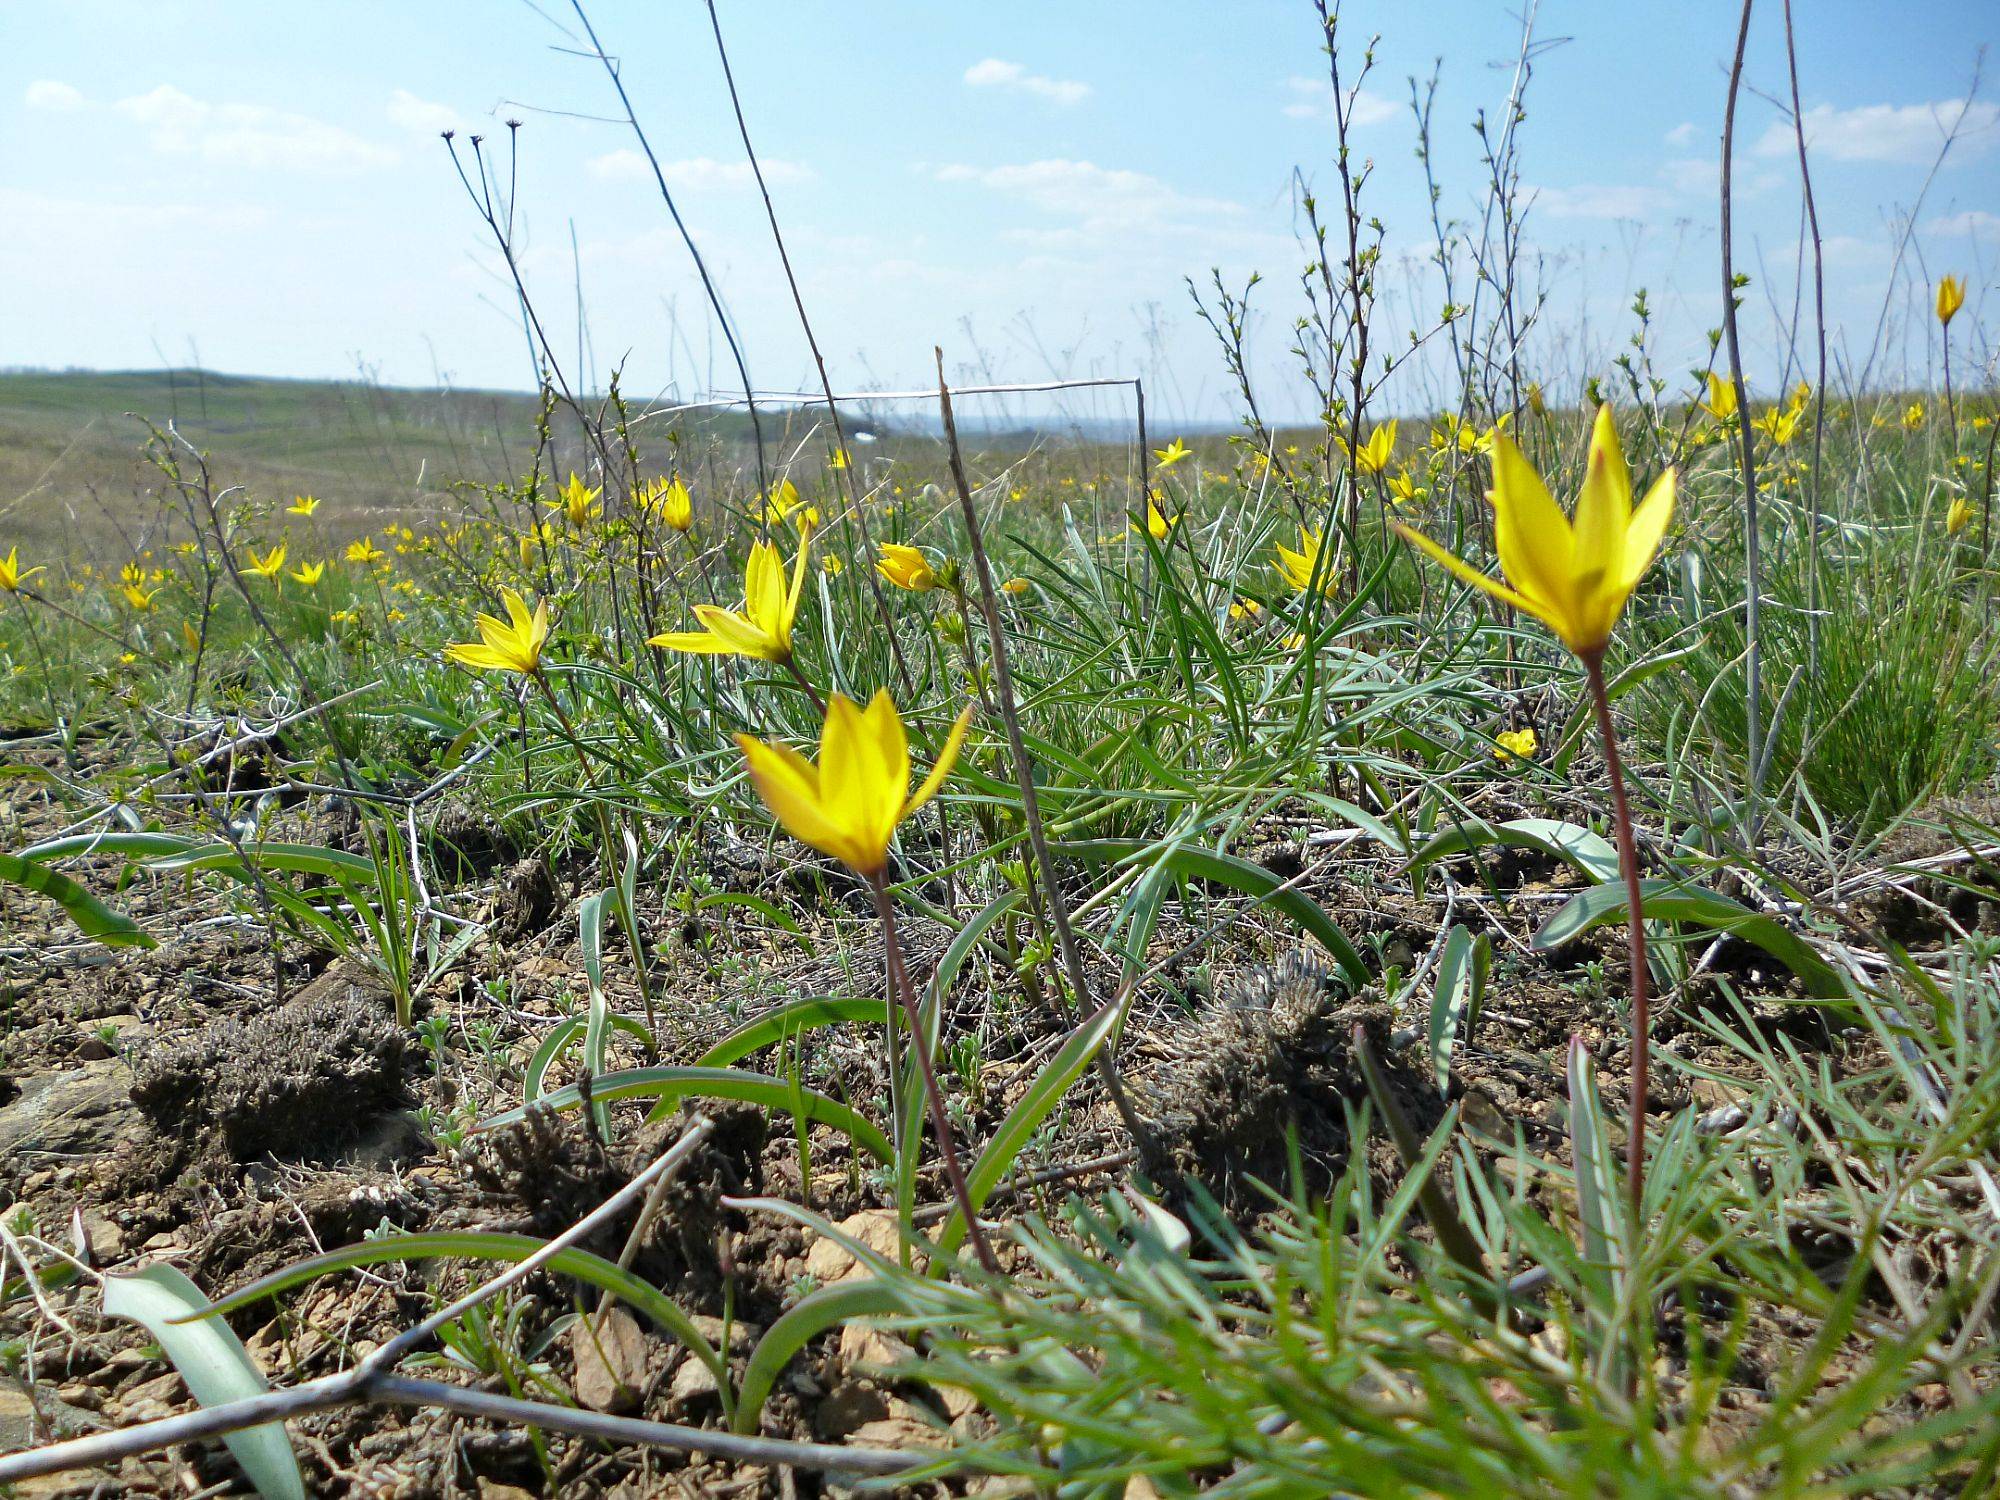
87, 1111
610, 1353
829, 1261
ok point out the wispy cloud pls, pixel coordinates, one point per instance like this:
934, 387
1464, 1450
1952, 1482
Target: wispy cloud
1909, 134
248, 135
697, 174
1312, 99
421, 116
47, 93
1682, 134
993, 73
1975, 221
1593, 200
1108, 197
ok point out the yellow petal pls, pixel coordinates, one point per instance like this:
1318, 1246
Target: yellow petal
696, 642
1649, 526
1532, 535
947, 758
1604, 508
1470, 574
745, 637
481, 658
763, 585
790, 787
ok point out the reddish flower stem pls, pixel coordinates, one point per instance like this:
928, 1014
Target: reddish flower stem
1635, 927
899, 985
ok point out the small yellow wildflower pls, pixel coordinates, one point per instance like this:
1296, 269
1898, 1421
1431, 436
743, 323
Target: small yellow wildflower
11, 576
848, 806
1950, 298
302, 505
762, 629
906, 567
1297, 568
1373, 456
1721, 402
1574, 576
270, 565
510, 645
310, 573
1515, 744
580, 503
1172, 454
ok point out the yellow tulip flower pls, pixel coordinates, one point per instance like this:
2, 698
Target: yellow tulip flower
670, 501
1172, 454
137, 597
270, 565
309, 573
1159, 525
782, 502
364, 551
303, 505
1016, 586
1515, 744
1296, 568
580, 503
1373, 456
1950, 298
1721, 402
1574, 577
762, 629
849, 804
1780, 426
1958, 517
510, 645
907, 568
11, 576
1913, 416
1403, 487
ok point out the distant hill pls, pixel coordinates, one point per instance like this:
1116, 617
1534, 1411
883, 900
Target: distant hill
73, 470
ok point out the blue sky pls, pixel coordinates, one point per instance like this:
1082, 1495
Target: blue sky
1026, 184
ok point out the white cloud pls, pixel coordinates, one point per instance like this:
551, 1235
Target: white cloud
421, 116
1100, 197
1591, 200
248, 135
1312, 99
696, 173
47, 93
992, 73
1682, 134
1905, 133
1975, 221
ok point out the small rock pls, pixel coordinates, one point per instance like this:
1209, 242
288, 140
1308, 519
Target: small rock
741, 1334
610, 1353
79, 1394
862, 1345
830, 1261
84, 1112
848, 1407
899, 1432
693, 1382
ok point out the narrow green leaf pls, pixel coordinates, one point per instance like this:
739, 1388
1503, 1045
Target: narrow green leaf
789, 1020
1238, 874
93, 918
1590, 853
669, 1085
1043, 1095
476, 1244
1670, 901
